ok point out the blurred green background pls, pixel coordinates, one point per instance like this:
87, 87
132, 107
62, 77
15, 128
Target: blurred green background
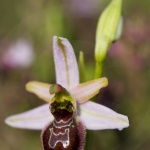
30, 25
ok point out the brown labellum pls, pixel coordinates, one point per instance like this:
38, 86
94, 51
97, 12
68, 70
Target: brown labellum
66, 132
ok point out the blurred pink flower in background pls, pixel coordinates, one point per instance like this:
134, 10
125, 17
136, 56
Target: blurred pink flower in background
129, 55
84, 8
19, 54
137, 30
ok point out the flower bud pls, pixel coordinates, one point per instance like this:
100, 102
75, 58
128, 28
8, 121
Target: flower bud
109, 29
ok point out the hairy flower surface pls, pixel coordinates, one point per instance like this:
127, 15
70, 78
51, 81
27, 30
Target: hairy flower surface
93, 116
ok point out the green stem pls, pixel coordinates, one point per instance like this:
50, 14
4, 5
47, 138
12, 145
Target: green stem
89, 139
98, 74
90, 133
81, 67
98, 70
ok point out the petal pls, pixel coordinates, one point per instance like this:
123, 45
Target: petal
35, 119
84, 91
66, 66
40, 89
97, 117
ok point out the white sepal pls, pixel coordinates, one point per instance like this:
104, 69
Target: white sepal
34, 119
67, 74
98, 117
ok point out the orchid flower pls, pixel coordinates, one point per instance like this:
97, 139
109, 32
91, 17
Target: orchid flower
93, 116
20, 54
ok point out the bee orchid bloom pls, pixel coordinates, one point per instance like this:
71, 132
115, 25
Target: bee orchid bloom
92, 115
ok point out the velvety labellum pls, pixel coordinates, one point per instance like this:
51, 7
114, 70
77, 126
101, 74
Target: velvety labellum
66, 132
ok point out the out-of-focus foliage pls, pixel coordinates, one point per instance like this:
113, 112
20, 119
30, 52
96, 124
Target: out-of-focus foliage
126, 65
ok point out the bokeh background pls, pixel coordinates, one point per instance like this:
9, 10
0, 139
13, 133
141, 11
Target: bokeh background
26, 31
